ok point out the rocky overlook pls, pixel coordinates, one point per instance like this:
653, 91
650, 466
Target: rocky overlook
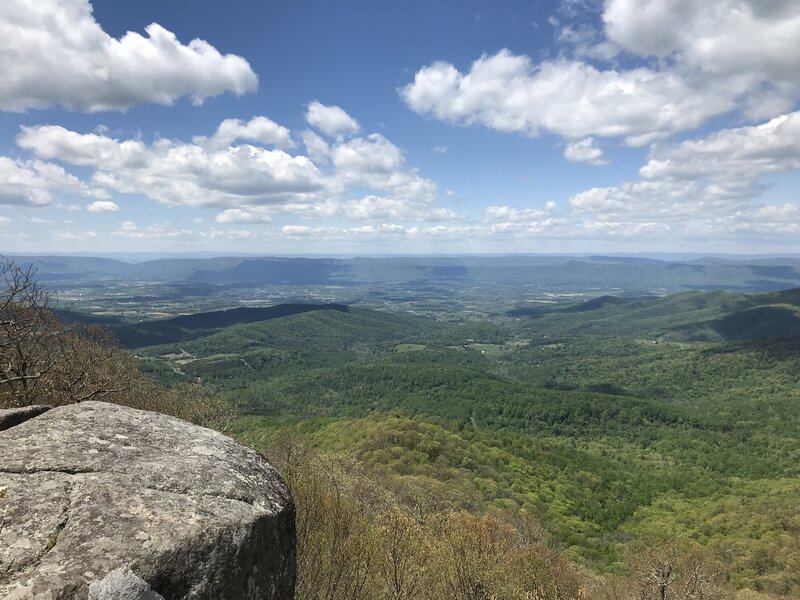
104, 501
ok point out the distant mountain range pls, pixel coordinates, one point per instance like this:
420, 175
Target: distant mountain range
627, 274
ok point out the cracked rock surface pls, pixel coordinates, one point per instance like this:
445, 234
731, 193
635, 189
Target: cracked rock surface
92, 490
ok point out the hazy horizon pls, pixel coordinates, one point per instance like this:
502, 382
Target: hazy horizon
155, 255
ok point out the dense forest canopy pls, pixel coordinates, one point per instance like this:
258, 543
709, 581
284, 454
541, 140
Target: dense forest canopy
615, 447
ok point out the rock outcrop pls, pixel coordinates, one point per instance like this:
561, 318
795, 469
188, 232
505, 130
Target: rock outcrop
104, 501
14, 416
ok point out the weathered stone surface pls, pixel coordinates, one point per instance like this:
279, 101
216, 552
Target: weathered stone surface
95, 488
14, 416
122, 584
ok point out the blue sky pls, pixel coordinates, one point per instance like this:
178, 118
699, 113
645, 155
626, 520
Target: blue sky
312, 127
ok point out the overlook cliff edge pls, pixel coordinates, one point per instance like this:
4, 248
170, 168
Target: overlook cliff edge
104, 501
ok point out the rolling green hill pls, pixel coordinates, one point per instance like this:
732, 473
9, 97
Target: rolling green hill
607, 420
690, 316
245, 356
188, 327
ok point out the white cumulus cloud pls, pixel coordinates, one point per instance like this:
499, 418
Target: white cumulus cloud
297, 230
32, 183
379, 208
516, 215
508, 92
231, 234
584, 151
237, 215
258, 129
55, 52
716, 178
318, 149
100, 206
750, 38
684, 63
177, 173
731, 157
375, 162
361, 178
155, 231
76, 236
330, 120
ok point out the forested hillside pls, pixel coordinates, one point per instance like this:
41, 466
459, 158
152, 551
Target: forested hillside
609, 422
560, 450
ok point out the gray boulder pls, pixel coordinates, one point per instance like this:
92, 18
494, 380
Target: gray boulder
122, 584
104, 501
